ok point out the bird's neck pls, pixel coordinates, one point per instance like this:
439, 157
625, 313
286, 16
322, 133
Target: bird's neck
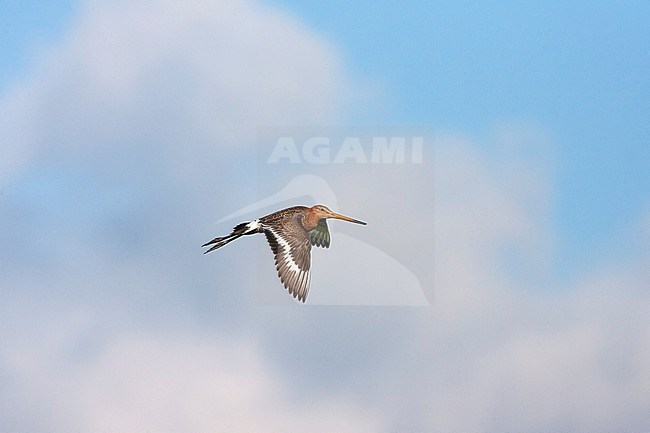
310, 220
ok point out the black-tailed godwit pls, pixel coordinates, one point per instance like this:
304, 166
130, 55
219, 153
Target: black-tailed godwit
290, 232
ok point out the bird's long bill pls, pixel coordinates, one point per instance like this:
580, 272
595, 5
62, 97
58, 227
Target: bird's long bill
345, 218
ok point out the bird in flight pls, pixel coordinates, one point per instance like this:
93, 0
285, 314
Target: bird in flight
290, 232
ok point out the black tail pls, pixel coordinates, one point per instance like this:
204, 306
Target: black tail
239, 231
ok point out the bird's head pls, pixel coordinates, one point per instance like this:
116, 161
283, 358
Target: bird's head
320, 211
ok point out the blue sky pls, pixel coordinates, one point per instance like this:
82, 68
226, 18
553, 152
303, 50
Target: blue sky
26, 28
131, 128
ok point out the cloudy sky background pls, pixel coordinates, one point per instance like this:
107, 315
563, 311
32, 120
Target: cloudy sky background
129, 130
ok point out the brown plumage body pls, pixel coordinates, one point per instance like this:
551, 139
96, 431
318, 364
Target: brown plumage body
290, 232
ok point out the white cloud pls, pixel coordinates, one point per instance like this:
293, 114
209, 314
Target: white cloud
138, 103
18, 142
139, 381
174, 75
574, 362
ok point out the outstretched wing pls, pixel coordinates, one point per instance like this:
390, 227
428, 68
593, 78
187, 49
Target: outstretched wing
320, 235
292, 259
